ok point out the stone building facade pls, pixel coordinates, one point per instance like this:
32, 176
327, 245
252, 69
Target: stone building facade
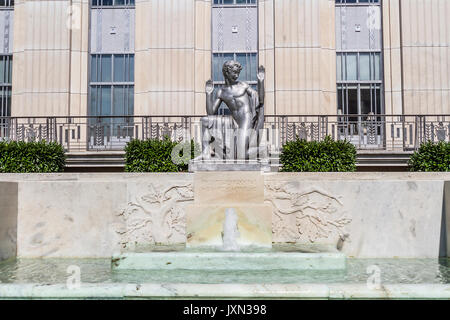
152, 57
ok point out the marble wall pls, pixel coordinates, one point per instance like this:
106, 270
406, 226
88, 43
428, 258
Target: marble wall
68, 219
362, 215
366, 218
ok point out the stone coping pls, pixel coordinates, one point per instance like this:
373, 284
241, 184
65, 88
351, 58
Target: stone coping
224, 291
442, 176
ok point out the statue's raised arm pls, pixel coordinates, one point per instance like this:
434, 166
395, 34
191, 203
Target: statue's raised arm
211, 105
261, 77
259, 109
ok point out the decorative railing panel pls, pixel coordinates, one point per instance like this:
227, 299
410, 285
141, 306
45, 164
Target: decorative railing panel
366, 132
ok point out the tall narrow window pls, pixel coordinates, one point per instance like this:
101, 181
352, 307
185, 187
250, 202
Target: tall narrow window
359, 59
111, 89
6, 25
5, 85
234, 37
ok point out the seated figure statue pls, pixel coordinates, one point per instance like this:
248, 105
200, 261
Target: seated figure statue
235, 137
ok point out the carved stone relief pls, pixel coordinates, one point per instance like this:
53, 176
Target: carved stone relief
156, 215
305, 215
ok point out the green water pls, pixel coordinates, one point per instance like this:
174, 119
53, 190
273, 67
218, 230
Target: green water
54, 271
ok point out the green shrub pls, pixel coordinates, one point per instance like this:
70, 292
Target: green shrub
431, 157
156, 155
27, 157
324, 156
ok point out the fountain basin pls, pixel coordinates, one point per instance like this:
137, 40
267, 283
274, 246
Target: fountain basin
229, 261
400, 279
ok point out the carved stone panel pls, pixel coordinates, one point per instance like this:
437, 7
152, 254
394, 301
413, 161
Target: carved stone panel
306, 215
155, 213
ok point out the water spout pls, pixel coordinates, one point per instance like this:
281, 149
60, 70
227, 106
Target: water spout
230, 232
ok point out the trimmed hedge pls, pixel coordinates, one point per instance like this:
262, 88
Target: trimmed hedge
31, 157
156, 155
323, 156
431, 157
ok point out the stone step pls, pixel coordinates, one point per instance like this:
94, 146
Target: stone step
115, 159
318, 290
229, 261
96, 159
383, 159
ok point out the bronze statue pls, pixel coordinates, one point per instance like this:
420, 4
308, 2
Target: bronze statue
247, 113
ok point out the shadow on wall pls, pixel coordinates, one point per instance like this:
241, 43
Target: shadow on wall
8, 219
444, 247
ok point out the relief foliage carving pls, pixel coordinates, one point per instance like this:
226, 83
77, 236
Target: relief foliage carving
306, 215
156, 215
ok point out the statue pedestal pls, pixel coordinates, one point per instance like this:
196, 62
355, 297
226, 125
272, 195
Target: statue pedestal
229, 213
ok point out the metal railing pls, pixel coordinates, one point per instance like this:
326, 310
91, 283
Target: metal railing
366, 132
